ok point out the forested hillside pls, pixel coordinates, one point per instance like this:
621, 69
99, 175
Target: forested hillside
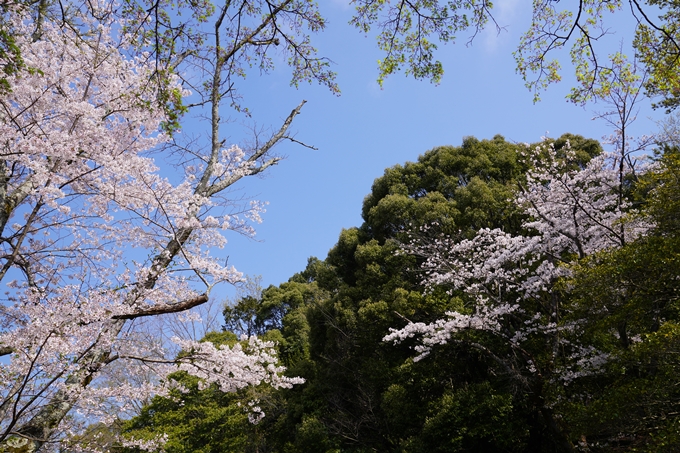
561, 337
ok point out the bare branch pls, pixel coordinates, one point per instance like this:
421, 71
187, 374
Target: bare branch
165, 309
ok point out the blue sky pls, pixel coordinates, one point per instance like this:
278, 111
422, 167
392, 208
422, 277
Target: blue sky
312, 195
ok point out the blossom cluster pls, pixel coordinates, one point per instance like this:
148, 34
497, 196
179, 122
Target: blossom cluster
95, 238
508, 281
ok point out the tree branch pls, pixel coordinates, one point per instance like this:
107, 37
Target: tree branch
281, 134
165, 309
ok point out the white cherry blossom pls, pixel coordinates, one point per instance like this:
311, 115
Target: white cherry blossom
95, 238
508, 281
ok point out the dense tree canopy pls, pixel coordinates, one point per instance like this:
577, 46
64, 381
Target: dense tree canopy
364, 394
487, 360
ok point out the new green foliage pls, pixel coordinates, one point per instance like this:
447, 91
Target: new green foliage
369, 395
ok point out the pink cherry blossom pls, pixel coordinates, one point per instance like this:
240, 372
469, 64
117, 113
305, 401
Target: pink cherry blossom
94, 239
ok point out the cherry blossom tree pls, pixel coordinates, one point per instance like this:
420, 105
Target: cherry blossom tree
510, 283
111, 216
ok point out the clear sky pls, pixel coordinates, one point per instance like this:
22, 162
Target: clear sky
312, 195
